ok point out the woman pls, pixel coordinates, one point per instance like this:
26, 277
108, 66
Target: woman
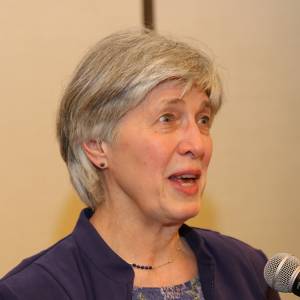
134, 131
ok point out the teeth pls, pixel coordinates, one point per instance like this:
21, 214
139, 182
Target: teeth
187, 183
186, 176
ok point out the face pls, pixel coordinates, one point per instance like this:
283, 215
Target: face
158, 163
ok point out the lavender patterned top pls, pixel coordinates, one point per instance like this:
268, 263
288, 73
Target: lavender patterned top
190, 290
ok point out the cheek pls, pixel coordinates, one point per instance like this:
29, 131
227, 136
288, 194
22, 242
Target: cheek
136, 149
208, 151
155, 155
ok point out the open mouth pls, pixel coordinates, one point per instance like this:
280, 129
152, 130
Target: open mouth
185, 179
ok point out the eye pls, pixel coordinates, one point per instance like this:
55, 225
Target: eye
204, 120
167, 118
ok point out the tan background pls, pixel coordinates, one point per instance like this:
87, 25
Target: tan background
254, 177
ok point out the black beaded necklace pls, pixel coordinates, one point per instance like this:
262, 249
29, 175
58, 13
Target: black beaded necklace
149, 267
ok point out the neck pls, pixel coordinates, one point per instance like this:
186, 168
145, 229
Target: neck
136, 240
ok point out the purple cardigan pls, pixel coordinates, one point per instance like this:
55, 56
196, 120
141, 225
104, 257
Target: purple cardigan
83, 267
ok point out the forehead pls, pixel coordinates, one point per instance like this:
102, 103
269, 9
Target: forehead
174, 93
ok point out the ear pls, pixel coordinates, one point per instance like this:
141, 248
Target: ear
95, 152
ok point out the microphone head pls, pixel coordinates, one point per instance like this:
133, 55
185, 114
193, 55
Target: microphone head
280, 272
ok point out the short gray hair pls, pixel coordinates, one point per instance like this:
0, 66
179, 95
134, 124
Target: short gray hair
114, 77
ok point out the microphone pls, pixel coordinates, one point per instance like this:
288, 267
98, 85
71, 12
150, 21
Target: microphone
282, 273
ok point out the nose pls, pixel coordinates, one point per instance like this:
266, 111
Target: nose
194, 143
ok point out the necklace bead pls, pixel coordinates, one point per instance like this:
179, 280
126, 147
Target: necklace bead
149, 267
142, 267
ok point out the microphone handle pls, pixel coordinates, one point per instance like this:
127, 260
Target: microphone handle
296, 285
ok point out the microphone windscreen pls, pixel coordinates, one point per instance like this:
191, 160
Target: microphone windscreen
280, 272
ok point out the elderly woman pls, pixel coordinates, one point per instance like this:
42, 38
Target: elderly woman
134, 130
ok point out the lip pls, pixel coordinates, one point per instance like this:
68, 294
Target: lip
196, 172
190, 188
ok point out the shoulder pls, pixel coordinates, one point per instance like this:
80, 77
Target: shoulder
225, 245
42, 274
226, 252
234, 263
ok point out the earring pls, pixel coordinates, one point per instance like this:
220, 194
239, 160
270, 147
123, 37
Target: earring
102, 165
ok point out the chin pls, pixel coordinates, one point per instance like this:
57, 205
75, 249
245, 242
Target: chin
185, 212
181, 207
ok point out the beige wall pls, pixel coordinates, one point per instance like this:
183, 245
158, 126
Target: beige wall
41, 42
254, 178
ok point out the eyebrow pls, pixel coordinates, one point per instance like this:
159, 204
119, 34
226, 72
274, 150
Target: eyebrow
174, 101
171, 101
206, 104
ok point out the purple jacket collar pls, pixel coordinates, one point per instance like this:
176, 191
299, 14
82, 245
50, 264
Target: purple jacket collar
115, 268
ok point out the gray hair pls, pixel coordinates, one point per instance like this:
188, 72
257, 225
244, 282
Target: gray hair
114, 77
